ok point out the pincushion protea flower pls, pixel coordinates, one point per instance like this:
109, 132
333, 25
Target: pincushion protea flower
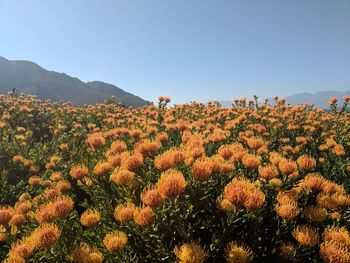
238, 252
306, 163
79, 172
171, 183
90, 218
46, 235
143, 216
334, 252
306, 235
115, 241
190, 253
124, 212
152, 197
96, 140
84, 253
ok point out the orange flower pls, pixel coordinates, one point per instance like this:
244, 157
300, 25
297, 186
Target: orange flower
79, 172
162, 138
330, 142
51, 193
201, 169
225, 205
115, 241
143, 216
118, 147
17, 220
63, 186
276, 183
171, 184
316, 214
332, 251
288, 210
275, 158
286, 197
96, 140
122, 177
237, 191
338, 150
90, 218
306, 235
268, 172
3, 234
147, 148
62, 206
168, 159
326, 201
250, 161
255, 199
23, 248
34, 180
45, 213
226, 152
46, 235
56, 176
124, 213
287, 167
6, 213
306, 163
102, 168
339, 235
313, 182
151, 197
114, 160
132, 162
255, 143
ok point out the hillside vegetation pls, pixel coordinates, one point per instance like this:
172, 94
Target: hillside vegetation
190, 183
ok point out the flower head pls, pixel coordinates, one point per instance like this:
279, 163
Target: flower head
190, 253
237, 252
306, 235
115, 241
171, 184
90, 218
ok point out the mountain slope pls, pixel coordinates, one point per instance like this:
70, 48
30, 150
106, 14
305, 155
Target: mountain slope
30, 78
319, 99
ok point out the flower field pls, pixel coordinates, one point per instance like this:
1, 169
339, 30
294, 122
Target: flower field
189, 183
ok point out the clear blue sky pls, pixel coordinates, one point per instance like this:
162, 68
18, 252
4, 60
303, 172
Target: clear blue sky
186, 49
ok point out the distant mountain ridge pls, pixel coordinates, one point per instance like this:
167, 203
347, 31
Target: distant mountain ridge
30, 78
319, 99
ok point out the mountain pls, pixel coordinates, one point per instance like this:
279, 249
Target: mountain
319, 99
30, 78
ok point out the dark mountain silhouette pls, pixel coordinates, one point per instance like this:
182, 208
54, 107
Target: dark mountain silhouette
29, 78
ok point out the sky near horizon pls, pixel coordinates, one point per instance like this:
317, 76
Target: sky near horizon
187, 49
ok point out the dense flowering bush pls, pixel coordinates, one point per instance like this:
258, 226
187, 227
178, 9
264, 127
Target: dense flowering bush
189, 183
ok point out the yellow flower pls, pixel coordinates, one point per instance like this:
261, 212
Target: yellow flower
85, 254
190, 253
237, 252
